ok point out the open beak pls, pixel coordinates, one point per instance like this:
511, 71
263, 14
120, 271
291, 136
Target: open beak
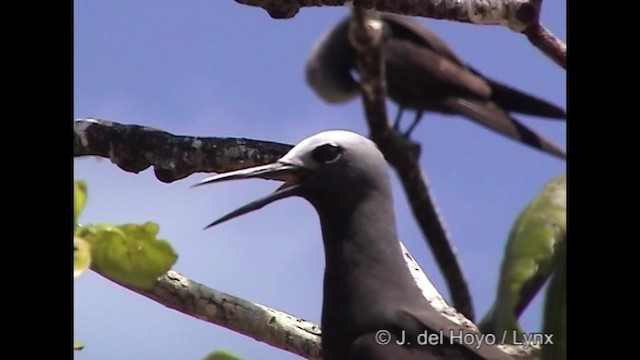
293, 176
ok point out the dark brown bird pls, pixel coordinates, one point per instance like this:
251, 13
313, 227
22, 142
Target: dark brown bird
424, 74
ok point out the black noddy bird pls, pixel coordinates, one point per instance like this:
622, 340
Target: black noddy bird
424, 74
371, 303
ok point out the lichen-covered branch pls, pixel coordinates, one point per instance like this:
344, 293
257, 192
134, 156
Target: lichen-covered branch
367, 37
518, 15
435, 299
134, 148
262, 323
432, 295
515, 14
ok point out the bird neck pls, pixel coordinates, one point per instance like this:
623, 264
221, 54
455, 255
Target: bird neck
365, 276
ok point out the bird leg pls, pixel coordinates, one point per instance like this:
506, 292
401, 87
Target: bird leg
414, 124
396, 123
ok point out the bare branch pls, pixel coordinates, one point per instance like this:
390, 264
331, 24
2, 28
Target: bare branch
432, 295
544, 39
260, 322
435, 299
402, 154
514, 14
548, 43
265, 324
518, 15
134, 148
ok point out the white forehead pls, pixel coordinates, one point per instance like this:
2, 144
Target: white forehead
343, 138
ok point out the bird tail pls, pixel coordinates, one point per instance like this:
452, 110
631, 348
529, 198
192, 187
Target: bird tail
490, 115
514, 100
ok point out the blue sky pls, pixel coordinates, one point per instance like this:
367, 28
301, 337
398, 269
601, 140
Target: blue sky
217, 68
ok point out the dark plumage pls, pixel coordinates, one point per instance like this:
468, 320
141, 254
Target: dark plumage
367, 285
424, 74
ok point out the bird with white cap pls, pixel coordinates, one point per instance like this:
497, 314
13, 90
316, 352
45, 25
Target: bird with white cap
372, 308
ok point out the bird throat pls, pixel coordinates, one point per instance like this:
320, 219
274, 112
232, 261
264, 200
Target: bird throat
364, 268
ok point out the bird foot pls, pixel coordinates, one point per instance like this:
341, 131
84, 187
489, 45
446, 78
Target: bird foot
396, 124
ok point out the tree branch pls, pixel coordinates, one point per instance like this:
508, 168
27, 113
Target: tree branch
262, 323
134, 148
532, 352
515, 14
548, 43
402, 154
518, 15
259, 322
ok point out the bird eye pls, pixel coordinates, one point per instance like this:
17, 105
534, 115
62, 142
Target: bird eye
326, 154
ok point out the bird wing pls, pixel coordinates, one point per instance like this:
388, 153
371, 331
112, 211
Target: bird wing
408, 28
511, 99
426, 335
456, 339
490, 115
431, 76
366, 347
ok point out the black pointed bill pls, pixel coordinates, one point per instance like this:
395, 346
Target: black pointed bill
293, 176
273, 171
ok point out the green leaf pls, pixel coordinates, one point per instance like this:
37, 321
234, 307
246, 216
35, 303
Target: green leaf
77, 345
221, 355
79, 199
81, 256
129, 253
555, 309
528, 258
